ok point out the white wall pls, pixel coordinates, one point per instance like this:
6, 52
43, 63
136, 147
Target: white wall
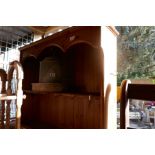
109, 45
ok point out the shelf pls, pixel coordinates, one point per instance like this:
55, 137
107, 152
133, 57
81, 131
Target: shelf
60, 93
47, 87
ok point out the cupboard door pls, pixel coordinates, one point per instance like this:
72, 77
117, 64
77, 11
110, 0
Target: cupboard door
45, 107
86, 112
69, 111
52, 111
80, 111
59, 113
93, 113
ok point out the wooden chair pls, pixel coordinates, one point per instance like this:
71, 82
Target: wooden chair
133, 91
7, 95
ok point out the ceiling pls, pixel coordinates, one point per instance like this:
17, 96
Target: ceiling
17, 36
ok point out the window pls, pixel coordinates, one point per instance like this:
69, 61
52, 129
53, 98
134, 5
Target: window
136, 61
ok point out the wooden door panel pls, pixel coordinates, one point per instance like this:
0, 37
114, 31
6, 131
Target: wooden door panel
86, 112
80, 111
96, 112
69, 111
58, 99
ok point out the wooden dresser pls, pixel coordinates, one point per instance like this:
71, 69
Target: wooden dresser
64, 80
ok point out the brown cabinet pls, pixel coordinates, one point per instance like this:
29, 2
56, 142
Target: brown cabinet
77, 97
60, 110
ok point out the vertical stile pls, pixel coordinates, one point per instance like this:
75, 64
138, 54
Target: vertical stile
2, 114
8, 114
3, 77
